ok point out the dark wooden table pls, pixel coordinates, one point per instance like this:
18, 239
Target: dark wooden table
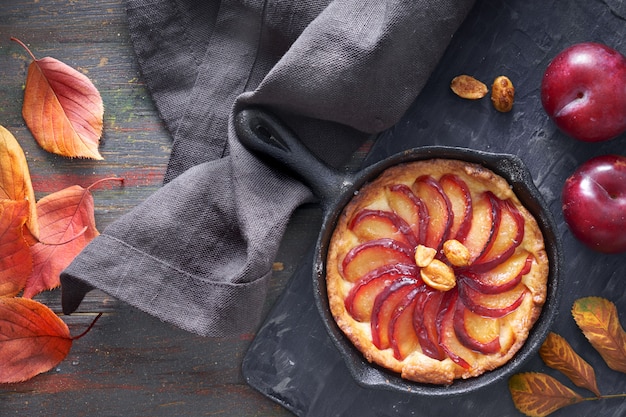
130, 364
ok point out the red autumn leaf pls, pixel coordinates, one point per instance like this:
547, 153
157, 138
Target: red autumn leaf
538, 395
33, 339
15, 182
16, 262
62, 108
67, 225
558, 354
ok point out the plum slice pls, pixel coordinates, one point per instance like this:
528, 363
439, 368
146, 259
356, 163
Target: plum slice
461, 204
476, 332
503, 277
448, 339
402, 333
493, 305
509, 235
485, 221
384, 306
373, 254
360, 300
377, 224
427, 305
438, 207
410, 208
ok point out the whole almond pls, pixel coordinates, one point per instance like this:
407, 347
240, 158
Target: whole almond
424, 255
438, 275
466, 86
456, 252
502, 94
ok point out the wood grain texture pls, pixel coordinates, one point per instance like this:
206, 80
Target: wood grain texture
130, 364
91, 37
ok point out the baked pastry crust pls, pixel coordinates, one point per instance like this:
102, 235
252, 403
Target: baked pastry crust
416, 365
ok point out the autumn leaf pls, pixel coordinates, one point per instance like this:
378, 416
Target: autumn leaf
538, 395
15, 182
33, 339
597, 318
16, 262
557, 353
62, 108
67, 225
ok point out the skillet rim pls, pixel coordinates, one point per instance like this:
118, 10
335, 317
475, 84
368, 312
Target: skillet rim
511, 168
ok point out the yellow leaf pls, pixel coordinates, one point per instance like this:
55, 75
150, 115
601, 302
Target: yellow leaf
558, 354
15, 183
538, 395
597, 318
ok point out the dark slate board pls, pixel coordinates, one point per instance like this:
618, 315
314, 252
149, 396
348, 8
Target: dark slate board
293, 361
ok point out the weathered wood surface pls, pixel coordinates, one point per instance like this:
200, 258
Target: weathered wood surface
130, 364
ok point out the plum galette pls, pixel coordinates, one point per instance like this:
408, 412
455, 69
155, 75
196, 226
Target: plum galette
436, 271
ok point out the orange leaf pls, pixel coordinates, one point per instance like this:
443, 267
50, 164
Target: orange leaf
62, 108
33, 339
16, 262
67, 225
537, 394
15, 183
558, 354
597, 318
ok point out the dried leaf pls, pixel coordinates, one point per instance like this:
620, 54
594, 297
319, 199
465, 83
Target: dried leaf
62, 108
538, 395
33, 339
67, 225
558, 354
15, 182
16, 262
597, 318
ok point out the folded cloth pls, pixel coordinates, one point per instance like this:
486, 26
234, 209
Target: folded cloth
198, 253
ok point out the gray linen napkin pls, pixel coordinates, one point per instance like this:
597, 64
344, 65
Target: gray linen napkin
198, 253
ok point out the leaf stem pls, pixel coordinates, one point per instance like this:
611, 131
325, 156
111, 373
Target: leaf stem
605, 397
88, 328
25, 47
101, 180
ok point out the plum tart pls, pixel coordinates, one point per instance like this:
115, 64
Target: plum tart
436, 271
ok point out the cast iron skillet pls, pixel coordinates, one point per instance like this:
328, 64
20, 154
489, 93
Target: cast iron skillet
266, 137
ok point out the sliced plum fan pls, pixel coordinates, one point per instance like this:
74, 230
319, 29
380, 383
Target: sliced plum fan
388, 291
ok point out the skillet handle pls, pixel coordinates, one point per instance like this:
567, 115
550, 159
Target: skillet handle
268, 138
